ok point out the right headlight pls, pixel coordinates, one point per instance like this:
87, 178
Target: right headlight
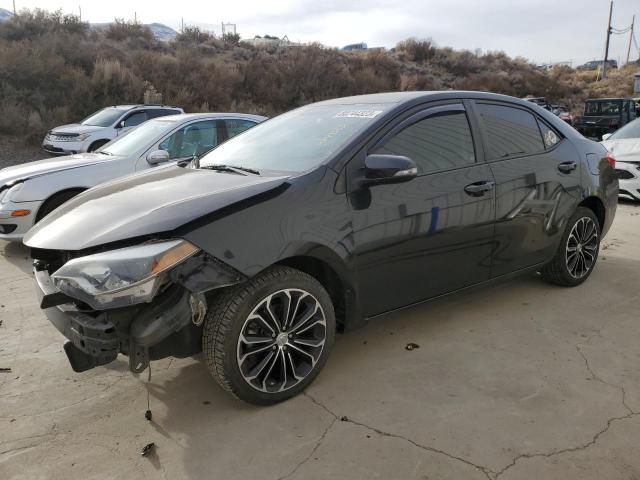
5, 195
122, 277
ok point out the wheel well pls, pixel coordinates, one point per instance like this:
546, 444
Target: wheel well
69, 191
327, 277
97, 143
597, 207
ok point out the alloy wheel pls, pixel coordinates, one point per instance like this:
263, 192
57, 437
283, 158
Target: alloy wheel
281, 340
582, 247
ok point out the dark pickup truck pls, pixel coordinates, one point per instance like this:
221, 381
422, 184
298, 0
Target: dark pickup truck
605, 115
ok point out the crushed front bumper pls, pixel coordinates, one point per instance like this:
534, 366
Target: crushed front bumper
168, 326
145, 332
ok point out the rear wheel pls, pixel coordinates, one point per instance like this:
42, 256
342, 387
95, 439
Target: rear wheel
578, 250
268, 338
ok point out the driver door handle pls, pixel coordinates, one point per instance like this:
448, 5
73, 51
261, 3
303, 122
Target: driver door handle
567, 167
478, 189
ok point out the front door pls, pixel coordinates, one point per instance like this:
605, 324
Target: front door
433, 234
537, 176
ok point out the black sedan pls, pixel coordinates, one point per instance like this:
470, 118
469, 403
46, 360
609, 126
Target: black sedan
315, 221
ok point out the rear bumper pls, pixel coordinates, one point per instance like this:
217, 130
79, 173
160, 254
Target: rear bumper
145, 332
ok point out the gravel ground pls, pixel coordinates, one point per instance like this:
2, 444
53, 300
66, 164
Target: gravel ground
524, 380
14, 152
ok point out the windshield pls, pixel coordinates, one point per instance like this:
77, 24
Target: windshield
136, 138
295, 141
103, 118
630, 130
603, 108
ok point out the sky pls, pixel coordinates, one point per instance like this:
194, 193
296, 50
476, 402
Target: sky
542, 31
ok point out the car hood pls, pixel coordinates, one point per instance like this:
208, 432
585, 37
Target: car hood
143, 204
56, 164
75, 128
627, 150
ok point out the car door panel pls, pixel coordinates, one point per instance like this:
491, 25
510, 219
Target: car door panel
422, 238
535, 195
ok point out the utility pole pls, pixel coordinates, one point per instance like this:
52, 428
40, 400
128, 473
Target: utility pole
630, 38
135, 16
80, 10
14, 7
606, 48
182, 25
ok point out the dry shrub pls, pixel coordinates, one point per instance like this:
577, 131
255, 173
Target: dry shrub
55, 70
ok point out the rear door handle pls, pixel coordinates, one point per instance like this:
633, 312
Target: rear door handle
567, 167
478, 189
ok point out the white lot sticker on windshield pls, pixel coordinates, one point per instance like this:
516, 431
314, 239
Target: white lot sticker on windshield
358, 114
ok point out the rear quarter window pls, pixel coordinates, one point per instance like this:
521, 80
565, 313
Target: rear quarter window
509, 131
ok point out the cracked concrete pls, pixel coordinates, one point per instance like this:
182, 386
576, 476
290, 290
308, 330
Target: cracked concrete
517, 381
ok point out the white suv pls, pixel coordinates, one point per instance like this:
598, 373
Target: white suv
101, 127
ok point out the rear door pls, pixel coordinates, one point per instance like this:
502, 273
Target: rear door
430, 235
537, 174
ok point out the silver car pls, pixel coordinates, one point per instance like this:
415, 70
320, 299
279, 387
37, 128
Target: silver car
30, 191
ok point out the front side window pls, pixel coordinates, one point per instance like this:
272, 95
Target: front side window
135, 119
442, 141
194, 139
509, 131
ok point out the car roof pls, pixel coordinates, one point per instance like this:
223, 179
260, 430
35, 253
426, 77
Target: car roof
204, 116
399, 99
141, 105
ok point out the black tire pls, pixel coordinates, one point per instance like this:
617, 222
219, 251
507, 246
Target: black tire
54, 202
228, 317
96, 145
561, 270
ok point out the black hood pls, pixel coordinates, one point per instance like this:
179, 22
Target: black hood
153, 202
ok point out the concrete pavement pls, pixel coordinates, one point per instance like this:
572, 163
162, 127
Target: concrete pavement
517, 381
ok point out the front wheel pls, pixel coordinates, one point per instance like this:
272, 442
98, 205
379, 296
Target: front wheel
578, 250
265, 340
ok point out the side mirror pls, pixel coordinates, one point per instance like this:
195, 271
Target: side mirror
386, 169
120, 124
606, 136
157, 156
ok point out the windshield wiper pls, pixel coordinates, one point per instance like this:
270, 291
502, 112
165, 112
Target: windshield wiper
230, 168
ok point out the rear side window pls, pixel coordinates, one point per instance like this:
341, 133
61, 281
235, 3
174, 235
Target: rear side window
161, 112
135, 119
435, 143
509, 131
549, 136
236, 126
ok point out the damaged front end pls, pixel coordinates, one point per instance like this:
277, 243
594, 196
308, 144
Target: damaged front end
145, 301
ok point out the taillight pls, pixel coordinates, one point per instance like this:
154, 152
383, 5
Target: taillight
610, 160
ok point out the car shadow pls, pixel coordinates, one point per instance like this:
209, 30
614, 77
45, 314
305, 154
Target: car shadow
17, 254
